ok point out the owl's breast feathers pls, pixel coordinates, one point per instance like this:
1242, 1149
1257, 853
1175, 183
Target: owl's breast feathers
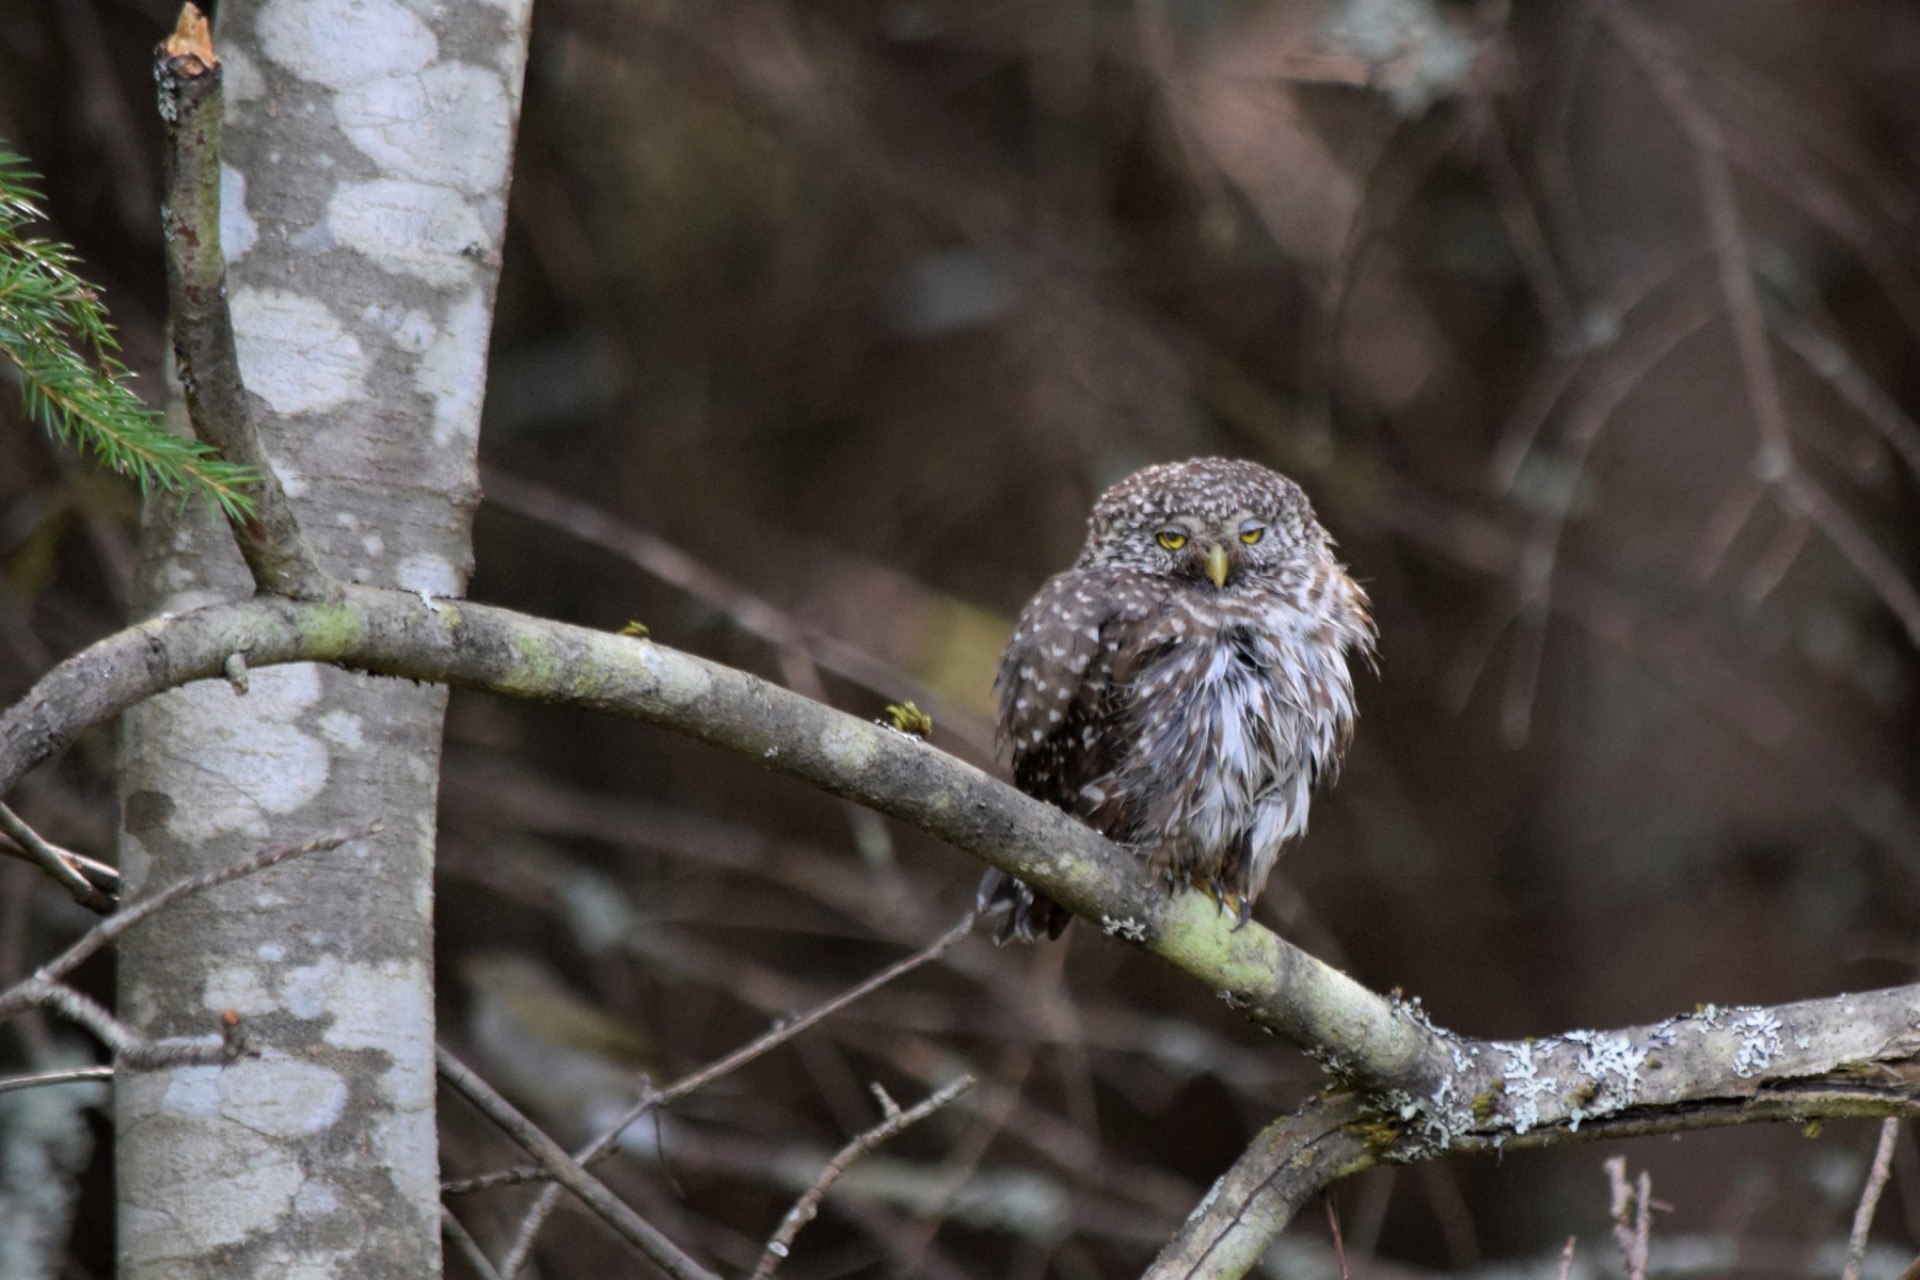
1191, 721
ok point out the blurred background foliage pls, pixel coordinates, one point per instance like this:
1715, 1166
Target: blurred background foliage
822, 324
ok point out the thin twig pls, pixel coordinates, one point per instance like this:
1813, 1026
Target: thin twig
59, 863
1525, 232
1870, 1198
1773, 564
1831, 363
118, 923
1726, 522
568, 1172
999, 1105
1798, 492
1869, 560
753, 614
779, 1035
102, 876
542, 806
808, 1205
740, 1057
1626, 368
536, 1216
1333, 1225
130, 1048
469, 1248
70, 1076
1455, 1216
1725, 227
1631, 1208
189, 75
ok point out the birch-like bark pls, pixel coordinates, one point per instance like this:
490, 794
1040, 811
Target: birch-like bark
367, 152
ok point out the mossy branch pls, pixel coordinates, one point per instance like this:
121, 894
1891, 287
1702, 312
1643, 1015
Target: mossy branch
1410, 1090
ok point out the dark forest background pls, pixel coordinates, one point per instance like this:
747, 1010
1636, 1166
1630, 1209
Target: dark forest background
842, 311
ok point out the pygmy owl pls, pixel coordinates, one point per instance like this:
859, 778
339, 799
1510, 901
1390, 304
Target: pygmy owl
1183, 687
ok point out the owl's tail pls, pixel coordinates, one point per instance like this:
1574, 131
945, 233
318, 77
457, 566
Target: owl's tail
1029, 916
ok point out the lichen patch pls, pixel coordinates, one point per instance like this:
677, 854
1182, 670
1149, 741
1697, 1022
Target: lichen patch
409, 228
281, 1096
448, 125
255, 761
424, 571
238, 987
342, 729
342, 43
293, 353
238, 231
215, 1182
453, 373
387, 1007
850, 748
675, 680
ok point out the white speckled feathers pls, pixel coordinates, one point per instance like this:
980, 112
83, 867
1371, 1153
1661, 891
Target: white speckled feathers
1187, 717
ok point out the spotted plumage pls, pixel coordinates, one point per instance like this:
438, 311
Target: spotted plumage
1183, 687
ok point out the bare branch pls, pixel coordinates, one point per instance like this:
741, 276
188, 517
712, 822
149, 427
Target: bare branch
11, 1002
77, 875
1870, 1198
808, 1205
70, 1076
130, 1049
568, 1172
740, 1057
469, 1248
1776, 462
192, 102
535, 1218
1339, 1241
758, 617
482, 647
43, 989
1831, 363
1630, 1205
1291, 1161
1622, 1075
1431, 1091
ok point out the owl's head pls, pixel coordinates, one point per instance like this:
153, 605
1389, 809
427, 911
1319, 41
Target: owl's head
1214, 521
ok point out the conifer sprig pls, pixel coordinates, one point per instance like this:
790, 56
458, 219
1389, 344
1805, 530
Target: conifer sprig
55, 334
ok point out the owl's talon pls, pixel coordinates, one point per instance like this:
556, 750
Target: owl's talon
1217, 890
1242, 910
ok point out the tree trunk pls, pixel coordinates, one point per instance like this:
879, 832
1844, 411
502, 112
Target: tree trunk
368, 149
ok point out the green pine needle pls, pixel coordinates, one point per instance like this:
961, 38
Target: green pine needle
55, 335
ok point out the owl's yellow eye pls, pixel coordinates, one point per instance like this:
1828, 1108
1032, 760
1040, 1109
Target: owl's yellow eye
1172, 539
1252, 532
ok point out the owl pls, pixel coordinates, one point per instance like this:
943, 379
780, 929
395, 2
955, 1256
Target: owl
1183, 687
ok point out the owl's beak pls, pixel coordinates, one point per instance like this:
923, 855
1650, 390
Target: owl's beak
1217, 565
